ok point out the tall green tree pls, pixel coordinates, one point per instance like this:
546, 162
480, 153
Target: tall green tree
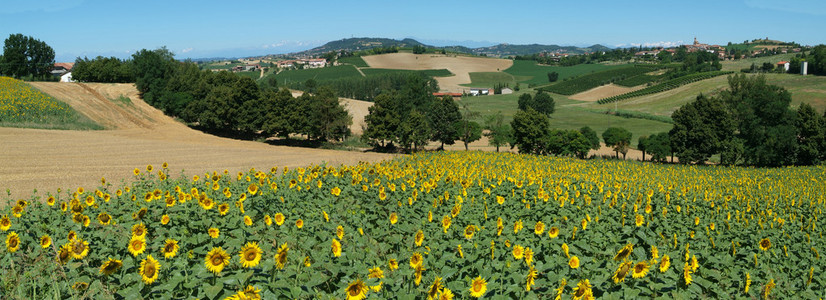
469, 131
26, 56
591, 136
414, 133
700, 129
642, 143
541, 102
811, 128
330, 120
382, 121
152, 70
530, 131
498, 132
618, 138
659, 146
443, 116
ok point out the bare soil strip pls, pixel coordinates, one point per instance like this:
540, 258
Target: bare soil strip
604, 91
461, 66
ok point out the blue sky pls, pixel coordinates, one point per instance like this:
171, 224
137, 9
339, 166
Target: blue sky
194, 29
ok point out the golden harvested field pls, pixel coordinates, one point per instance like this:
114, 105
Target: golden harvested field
604, 91
136, 135
459, 65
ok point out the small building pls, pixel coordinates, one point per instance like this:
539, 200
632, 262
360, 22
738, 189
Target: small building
804, 68
784, 65
66, 77
481, 91
59, 69
316, 63
507, 91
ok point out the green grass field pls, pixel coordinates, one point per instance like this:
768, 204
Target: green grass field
251, 74
320, 74
569, 114
737, 65
528, 72
489, 79
354, 60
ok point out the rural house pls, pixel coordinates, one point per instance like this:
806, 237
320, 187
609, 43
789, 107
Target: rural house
59, 69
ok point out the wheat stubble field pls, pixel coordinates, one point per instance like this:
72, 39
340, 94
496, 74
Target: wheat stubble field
136, 135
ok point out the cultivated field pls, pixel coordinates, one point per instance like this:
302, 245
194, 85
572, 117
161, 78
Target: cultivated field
604, 91
460, 66
138, 135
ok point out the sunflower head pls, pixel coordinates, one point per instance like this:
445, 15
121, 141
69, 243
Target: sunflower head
45, 241
765, 244
583, 290
478, 287
137, 245
110, 266
392, 264
624, 252
356, 290
375, 272
470, 230
250, 255
281, 257
539, 228
279, 219
64, 254
214, 232
216, 260
336, 248
416, 260
573, 262
149, 269
665, 263
12, 242
299, 223
622, 272
80, 248
139, 230
104, 218
419, 238
640, 269
170, 248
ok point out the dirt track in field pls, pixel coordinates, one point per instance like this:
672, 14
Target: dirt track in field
137, 135
460, 66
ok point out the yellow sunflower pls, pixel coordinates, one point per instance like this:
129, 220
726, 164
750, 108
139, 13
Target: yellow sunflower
216, 260
281, 257
531, 278
45, 241
247, 221
137, 245
640, 270
139, 230
518, 252
340, 232
416, 260
71, 235
252, 189
250, 255
392, 264
583, 290
12, 242
170, 248
104, 218
539, 228
478, 287
214, 232
446, 294
267, 220
336, 248
50, 201
624, 252
356, 290
565, 249
553, 232
665, 263
573, 262
149, 269
164, 219
5, 223
375, 272
279, 219
307, 262
394, 218
110, 266
80, 248
765, 244
417, 275
434, 288
469, 231
299, 223
64, 254
639, 220
446, 223
335, 191
223, 209
528, 256
622, 271
419, 238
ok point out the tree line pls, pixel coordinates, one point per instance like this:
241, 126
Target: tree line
26, 57
226, 102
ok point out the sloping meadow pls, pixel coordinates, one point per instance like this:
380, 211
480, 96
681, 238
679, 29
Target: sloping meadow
454, 224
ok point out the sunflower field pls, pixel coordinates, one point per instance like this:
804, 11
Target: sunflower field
435, 225
23, 105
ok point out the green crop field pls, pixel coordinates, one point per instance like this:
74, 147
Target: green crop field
320, 74
737, 65
529, 72
489, 79
354, 60
592, 80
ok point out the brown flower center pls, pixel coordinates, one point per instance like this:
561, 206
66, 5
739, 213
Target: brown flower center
217, 260
250, 255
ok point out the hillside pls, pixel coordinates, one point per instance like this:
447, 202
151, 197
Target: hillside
500, 50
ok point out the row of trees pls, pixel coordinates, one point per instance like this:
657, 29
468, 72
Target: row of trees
751, 123
103, 69
411, 117
227, 102
25, 56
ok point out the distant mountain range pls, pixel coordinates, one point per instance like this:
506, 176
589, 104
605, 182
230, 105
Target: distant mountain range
500, 50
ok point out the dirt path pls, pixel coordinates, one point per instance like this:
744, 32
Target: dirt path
460, 66
50, 159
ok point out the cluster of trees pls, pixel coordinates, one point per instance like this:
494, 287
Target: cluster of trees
364, 88
531, 131
572, 60
25, 56
227, 102
103, 69
749, 124
817, 61
411, 117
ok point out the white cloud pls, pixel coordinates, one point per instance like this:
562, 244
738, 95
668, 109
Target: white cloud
811, 7
187, 50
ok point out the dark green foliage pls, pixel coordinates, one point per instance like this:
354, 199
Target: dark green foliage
591, 136
367, 88
530, 131
659, 146
414, 131
642, 143
618, 138
443, 116
817, 61
469, 131
553, 76
587, 82
402, 117
541, 102
811, 135
26, 56
568, 143
152, 70
498, 132
382, 121
700, 127
103, 69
